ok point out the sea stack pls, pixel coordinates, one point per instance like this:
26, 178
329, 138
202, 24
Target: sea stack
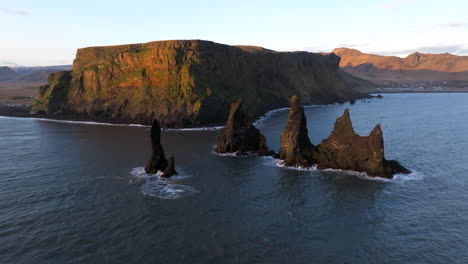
344, 149
158, 161
296, 148
239, 136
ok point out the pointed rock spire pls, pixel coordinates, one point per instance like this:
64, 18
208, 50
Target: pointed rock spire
295, 146
158, 160
240, 136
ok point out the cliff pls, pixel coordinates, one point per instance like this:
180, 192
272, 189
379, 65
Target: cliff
415, 67
190, 82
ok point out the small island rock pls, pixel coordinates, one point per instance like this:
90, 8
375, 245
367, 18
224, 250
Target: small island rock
344, 149
239, 136
158, 161
296, 148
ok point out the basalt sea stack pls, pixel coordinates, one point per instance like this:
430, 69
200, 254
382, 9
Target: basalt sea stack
296, 148
158, 161
344, 149
240, 136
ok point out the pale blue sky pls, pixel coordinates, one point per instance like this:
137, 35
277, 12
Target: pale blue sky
48, 32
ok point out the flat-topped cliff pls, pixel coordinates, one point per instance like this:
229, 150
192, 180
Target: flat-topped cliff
190, 82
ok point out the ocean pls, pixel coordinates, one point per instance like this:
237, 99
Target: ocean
74, 192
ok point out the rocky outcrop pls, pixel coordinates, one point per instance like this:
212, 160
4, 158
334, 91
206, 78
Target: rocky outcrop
170, 169
191, 82
296, 148
158, 161
344, 149
239, 136
53, 97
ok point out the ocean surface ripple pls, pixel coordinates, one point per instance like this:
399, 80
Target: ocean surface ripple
73, 193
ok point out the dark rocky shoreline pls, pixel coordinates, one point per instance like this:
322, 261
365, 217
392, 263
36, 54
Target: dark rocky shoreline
25, 112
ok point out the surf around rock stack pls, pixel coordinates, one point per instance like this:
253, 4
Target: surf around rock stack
158, 161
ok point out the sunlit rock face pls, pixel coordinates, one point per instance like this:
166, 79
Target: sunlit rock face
344, 149
296, 148
186, 83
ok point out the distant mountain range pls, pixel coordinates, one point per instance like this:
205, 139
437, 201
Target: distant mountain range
29, 74
436, 69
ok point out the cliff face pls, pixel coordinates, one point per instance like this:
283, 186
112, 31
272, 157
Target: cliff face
52, 97
192, 82
415, 67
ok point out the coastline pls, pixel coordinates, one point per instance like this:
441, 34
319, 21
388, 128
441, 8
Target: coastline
23, 113
421, 91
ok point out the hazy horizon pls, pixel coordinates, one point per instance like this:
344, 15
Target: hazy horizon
49, 32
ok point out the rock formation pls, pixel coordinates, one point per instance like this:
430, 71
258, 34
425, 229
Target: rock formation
170, 169
240, 136
189, 82
158, 161
52, 97
344, 149
296, 148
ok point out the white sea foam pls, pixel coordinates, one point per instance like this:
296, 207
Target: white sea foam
270, 161
263, 118
72, 122
233, 154
414, 175
213, 128
259, 122
163, 188
397, 178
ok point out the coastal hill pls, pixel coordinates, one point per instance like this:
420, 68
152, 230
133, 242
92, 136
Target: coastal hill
18, 85
416, 67
28, 75
6, 73
191, 82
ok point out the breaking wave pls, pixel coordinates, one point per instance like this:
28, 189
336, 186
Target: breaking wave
414, 175
213, 128
163, 188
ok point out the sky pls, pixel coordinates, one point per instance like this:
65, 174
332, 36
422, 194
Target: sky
48, 32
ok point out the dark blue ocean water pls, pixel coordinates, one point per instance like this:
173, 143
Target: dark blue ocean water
75, 193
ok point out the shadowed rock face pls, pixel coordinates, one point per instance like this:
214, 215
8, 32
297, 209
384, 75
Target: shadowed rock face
158, 160
170, 169
239, 135
344, 149
296, 148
